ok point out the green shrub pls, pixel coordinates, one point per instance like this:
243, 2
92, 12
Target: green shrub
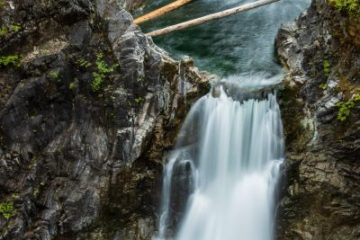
54, 74
4, 31
326, 67
139, 100
346, 107
13, 28
72, 86
102, 70
83, 63
323, 86
2, 4
351, 6
9, 60
7, 210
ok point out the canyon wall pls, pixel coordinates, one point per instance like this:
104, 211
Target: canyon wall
89, 106
320, 107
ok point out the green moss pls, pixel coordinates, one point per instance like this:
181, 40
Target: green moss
15, 196
83, 63
350, 6
97, 81
139, 100
9, 60
4, 31
323, 86
292, 111
15, 27
72, 86
36, 192
54, 74
7, 209
2, 4
326, 67
345, 107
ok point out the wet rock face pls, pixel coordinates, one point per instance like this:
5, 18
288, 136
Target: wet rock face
320, 198
87, 113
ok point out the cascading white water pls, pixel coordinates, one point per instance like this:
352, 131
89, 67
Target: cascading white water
234, 158
220, 180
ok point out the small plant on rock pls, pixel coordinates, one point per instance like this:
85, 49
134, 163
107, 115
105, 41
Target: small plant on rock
7, 210
9, 60
6, 30
323, 86
350, 6
326, 67
102, 71
2, 4
15, 27
54, 74
83, 63
346, 107
73, 86
139, 100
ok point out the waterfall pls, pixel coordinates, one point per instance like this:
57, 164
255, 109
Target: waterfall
220, 179
231, 151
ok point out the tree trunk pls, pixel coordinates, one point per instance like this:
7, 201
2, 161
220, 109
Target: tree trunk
161, 11
201, 20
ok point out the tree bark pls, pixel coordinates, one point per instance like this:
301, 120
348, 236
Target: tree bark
161, 11
201, 20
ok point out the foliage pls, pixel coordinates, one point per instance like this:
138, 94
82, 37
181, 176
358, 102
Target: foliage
2, 4
102, 70
139, 100
83, 63
3, 31
326, 67
72, 86
346, 107
351, 6
13, 28
36, 192
9, 60
323, 86
7, 210
54, 74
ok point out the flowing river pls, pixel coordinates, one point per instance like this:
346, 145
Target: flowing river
220, 180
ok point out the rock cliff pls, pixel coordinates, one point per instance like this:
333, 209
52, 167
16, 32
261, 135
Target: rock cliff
89, 107
320, 104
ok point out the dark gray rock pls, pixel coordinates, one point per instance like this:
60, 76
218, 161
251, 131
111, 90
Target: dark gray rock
320, 198
76, 162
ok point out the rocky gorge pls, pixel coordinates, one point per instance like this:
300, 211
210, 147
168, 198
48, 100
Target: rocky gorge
90, 106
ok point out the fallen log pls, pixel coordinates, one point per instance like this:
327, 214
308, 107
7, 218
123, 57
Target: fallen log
205, 19
161, 11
